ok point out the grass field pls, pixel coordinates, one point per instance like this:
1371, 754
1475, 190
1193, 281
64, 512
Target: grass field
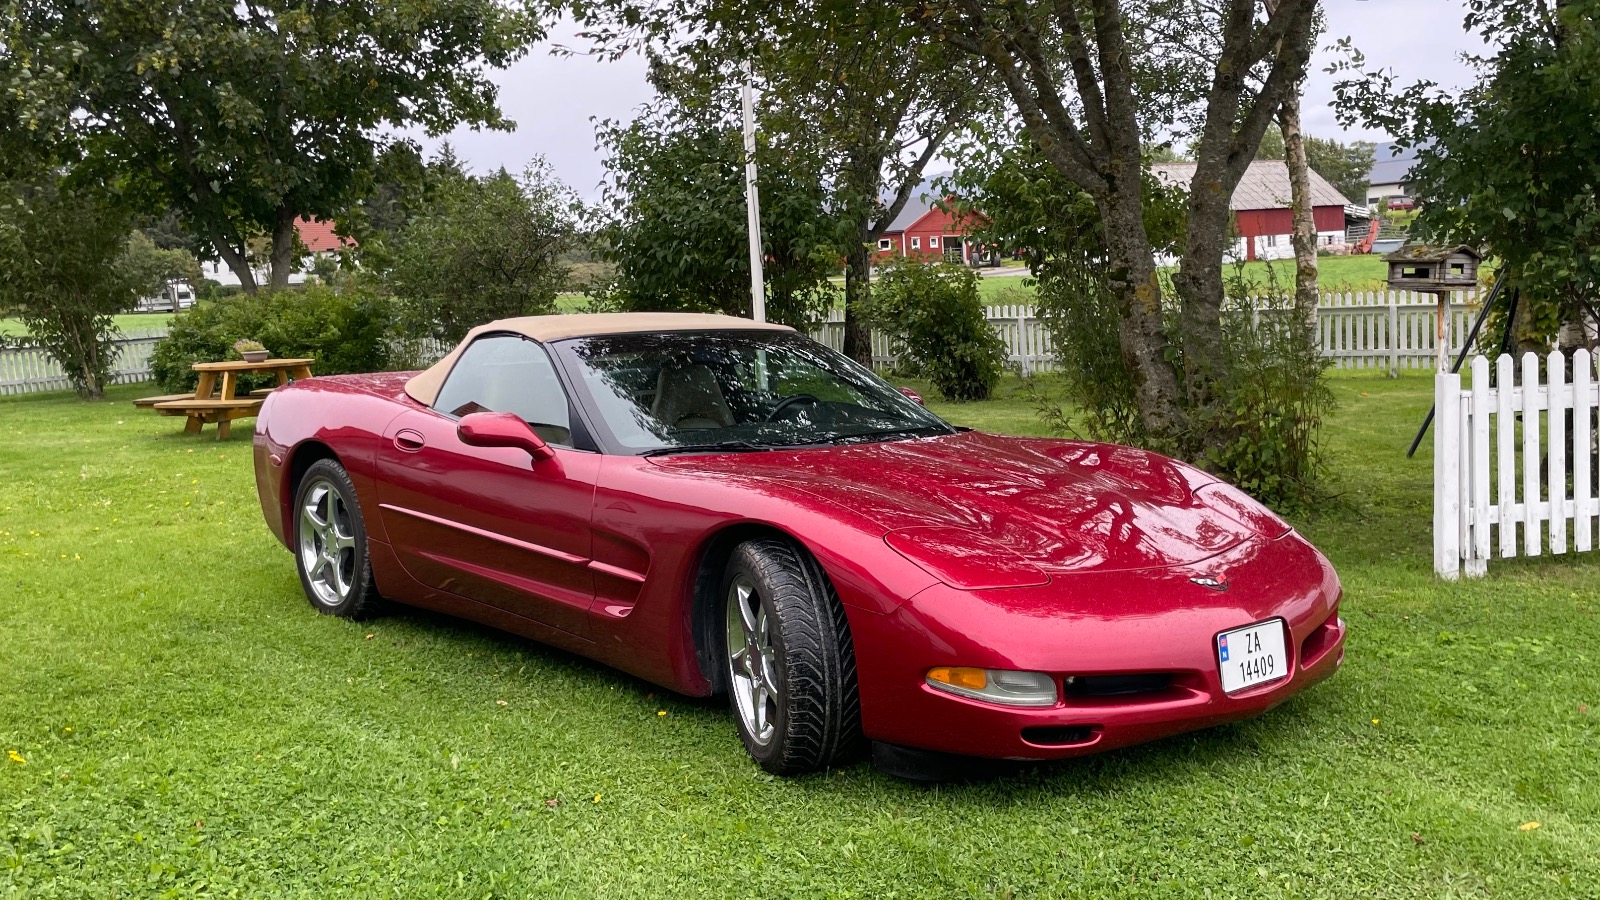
131, 323
175, 721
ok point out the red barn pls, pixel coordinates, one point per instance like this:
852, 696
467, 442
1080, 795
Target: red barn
927, 230
1262, 210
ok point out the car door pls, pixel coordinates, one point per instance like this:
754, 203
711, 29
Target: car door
488, 523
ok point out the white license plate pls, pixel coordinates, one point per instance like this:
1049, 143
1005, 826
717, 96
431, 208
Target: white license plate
1252, 655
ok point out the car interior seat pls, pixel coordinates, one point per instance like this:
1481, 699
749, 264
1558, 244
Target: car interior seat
688, 397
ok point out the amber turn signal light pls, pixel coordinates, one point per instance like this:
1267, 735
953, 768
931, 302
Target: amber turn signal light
960, 676
995, 685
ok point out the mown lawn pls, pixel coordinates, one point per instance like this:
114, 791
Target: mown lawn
128, 323
1334, 273
176, 721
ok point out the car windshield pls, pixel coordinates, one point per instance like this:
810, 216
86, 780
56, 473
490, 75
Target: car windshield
736, 390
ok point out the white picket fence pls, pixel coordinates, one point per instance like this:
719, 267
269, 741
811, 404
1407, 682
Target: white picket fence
1391, 330
30, 370
1495, 437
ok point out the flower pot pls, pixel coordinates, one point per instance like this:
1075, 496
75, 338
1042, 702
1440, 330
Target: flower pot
254, 356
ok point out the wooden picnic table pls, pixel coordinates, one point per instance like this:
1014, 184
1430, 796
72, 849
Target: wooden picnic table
209, 405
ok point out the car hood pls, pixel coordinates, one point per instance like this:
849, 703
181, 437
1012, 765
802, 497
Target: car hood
1058, 505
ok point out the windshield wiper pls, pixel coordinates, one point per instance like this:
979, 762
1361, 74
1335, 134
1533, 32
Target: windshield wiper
894, 434
718, 447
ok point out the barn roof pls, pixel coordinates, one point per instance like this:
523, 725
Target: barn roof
318, 236
1265, 185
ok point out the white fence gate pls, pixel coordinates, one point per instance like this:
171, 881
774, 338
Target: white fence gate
1489, 441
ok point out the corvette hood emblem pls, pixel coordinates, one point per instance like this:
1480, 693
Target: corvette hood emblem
1215, 584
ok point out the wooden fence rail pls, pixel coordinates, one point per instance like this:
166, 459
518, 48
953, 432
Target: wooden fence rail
1391, 330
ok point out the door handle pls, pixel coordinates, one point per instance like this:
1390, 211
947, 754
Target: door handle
408, 440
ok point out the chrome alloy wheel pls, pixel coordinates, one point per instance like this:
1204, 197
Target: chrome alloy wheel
752, 662
327, 543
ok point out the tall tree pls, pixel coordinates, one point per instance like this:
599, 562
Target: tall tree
1510, 163
246, 116
487, 249
880, 97
1093, 82
67, 271
1345, 166
674, 219
870, 93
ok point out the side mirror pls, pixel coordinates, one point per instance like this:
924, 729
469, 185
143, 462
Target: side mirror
915, 397
501, 429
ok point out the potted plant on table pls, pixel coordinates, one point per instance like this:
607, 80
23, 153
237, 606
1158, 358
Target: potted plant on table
251, 351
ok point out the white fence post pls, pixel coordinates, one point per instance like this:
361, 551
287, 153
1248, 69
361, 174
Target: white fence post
1394, 337
1582, 451
1476, 548
1447, 475
1556, 471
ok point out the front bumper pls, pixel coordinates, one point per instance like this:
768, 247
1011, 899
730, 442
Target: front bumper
1092, 625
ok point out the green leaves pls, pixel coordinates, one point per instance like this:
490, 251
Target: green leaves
66, 274
243, 116
1511, 164
484, 248
674, 220
934, 314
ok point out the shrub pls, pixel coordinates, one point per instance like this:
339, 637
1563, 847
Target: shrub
1264, 426
344, 331
933, 313
1273, 401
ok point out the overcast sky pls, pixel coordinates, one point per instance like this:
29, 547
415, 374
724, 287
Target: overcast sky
553, 98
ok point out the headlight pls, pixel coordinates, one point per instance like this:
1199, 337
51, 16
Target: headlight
995, 685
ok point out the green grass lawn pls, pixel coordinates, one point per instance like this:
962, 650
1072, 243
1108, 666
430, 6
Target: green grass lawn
130, 323
176, 721
1334, 273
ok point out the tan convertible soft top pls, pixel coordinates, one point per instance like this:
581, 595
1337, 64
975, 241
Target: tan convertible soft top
424, 386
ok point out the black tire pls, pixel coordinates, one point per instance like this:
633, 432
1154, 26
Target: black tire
341, 585
814, 715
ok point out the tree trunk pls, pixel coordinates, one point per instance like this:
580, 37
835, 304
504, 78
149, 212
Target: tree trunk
282, 260
235, 260
1141, 333
1305, 222
1199, 286
857, 288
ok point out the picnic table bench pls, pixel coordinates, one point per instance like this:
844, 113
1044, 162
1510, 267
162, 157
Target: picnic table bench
209, 405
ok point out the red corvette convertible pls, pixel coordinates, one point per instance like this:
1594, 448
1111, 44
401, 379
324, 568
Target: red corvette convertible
717, 505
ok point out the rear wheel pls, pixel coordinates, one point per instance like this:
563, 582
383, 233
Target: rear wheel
331, 543
790, 663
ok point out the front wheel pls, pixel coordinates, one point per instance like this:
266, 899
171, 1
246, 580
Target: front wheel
790, 663
330, 541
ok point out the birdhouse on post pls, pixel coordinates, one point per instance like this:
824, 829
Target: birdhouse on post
1435, 270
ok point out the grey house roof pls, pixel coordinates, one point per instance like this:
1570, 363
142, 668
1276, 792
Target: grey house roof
1391, 165
1265, 185
922, 199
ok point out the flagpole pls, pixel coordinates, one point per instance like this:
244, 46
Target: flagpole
752, 202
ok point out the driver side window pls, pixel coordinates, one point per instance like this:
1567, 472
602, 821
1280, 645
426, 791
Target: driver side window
507, 373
